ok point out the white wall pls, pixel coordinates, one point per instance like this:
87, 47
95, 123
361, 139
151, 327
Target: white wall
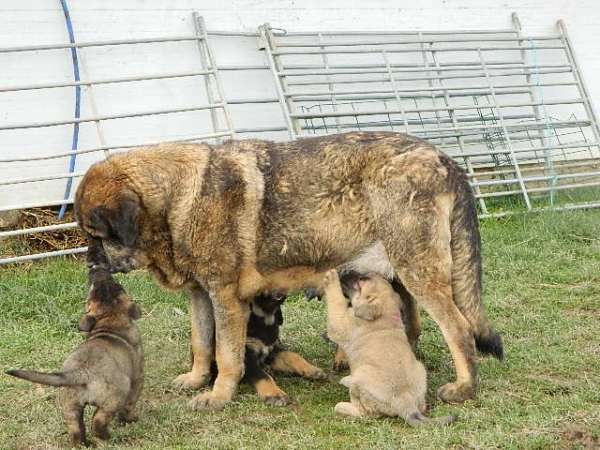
33, 22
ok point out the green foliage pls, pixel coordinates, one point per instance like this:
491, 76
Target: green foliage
542, 293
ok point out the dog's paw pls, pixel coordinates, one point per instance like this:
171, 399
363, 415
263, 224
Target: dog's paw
127, 418
456, 392
207, 400
277, 400
330, 278
317, 374
340, 366
191, 380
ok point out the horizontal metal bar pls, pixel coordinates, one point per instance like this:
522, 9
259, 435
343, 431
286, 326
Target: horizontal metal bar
116, 116
113, 147
432, 40
44, 178
418, 50
538, 210
411, 78
36, 205
524, 150
36, 256
401, 90
293, 34
46, 229
155, 40
103, 81
433, 109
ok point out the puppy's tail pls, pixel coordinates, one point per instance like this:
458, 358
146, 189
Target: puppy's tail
417, 419
57, 379
467, 270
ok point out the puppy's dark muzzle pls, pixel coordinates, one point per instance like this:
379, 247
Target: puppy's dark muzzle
122, 266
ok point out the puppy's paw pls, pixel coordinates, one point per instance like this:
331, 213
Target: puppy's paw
346, 381
317, 374
340, 366
331, 278
456, 392
277, 400
207, 400
191, 380
127, 418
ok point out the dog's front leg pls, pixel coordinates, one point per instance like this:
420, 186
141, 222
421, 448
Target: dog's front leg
337, 310
231, 321
203, 327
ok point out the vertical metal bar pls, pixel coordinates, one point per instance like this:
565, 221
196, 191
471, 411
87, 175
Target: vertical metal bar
207, 83
268, 43
213, 67
396, 93
513, 156
430, 82
460, 139
329, 84
589, 109
533, 93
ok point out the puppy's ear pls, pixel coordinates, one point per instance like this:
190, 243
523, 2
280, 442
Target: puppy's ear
367, 310
86, 323
135, 312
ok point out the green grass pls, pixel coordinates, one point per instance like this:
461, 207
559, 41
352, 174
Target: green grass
542, 293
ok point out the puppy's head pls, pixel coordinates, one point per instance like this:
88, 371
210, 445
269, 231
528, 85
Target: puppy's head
108, 211
107, 301
269, 305
371, 295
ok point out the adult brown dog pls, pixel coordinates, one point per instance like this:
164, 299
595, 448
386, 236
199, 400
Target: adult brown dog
385, 377
249, 217
106, 370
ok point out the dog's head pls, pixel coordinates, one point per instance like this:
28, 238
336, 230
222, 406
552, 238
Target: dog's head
108, 210
269, 305
107, 301
371, 295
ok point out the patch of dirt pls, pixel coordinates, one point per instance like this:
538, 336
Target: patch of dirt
577, 437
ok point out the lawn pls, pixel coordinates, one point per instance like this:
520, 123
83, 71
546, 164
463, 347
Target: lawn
542, 293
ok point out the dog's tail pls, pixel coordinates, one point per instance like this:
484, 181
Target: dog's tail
467, 271
417, 419
57, 379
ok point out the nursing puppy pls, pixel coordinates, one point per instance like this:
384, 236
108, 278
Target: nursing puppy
385, 377
265, 352
106, 370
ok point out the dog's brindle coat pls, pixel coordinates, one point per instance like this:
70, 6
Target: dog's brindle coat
231, 222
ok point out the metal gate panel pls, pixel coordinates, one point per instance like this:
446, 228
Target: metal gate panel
512, 109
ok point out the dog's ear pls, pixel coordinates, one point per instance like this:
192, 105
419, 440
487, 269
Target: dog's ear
135, 312
123, 222
86, 323
367, 309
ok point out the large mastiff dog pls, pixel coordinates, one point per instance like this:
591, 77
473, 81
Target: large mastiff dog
245, 218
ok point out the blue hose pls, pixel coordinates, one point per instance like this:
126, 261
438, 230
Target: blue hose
75, 139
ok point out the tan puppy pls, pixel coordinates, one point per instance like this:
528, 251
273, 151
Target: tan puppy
107, 369
385, 377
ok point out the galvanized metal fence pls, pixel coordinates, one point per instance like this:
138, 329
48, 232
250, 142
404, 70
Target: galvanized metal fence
514, 110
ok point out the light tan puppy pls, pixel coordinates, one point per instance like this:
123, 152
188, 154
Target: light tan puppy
385, 377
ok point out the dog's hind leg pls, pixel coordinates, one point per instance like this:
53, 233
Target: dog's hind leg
127, 413
202, 342
289, 362
418, 242
101, 418
73, 416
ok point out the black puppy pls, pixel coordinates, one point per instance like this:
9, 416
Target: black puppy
265, 352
